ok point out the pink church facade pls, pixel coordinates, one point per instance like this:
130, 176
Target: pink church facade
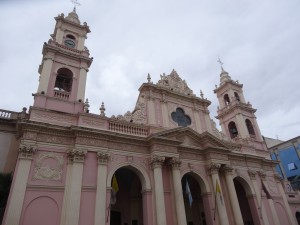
171, 164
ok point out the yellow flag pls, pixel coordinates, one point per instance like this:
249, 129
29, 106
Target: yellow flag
218, 190
115, 185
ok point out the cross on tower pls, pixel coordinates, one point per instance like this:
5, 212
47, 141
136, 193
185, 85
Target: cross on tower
75, 3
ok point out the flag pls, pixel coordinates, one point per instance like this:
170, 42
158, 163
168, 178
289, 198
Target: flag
218, 191
114, 191
188, 192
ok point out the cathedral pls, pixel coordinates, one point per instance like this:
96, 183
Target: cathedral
163, 163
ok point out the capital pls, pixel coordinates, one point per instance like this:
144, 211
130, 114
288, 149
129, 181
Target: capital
175, 163
213, 168
26, 151
76, 155
157, 161
227, 169
262, 174
102, 157
252, 174
277, 177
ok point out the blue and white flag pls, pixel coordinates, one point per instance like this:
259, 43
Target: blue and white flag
188, 192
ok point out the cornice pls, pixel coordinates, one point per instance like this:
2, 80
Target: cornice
162, 90
232, 107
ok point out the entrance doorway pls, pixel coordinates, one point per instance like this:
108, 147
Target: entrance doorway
115, 218
127, 205
243, 202
193, 202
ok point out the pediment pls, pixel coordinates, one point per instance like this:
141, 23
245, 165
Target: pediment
190, 138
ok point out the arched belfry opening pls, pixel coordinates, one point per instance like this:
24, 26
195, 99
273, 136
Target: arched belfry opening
226, 99
237, 97
64, 80
232, 129
250, 127
193, 201
243, 199
126, 205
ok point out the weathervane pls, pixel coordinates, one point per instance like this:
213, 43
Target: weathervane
75, 3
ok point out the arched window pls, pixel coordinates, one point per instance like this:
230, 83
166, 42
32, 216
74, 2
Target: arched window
226, 99
70, 37
237, 97
250, 127
232, 129
63, 80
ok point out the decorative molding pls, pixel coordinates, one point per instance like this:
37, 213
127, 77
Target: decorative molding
213, 168
42, 171
262, 174
76, 155
103, 158
26, 151
227, 169
277, 177
157, 161
175, 163
174, 83
252, 174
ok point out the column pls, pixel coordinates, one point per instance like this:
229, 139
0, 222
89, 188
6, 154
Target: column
213, 168
179, 202
100, 208
286, 204
17, 194
73, 187
157, 162
151, 108
261, 208
147, 207
262, 175
81, 84
165, 113
227, 169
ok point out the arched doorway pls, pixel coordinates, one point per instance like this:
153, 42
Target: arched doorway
298, 217
127, 207
193, 201
243, 202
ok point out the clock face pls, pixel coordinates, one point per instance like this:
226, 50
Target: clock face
69, 43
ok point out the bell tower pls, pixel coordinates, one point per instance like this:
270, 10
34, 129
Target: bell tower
64, 66
236, 116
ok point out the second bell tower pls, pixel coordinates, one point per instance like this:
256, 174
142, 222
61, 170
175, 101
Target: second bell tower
64, 67
237, 118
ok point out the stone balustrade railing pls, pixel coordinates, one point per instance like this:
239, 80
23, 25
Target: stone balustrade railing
128, 129
61, 94
5, 114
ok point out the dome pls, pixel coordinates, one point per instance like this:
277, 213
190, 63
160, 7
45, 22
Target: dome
73, 17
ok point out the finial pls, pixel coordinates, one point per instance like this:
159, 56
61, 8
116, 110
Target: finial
86, 106
149, 78
221, 63
201, 94
102, 109
75, 3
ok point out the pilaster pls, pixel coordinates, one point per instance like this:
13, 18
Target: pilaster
72, 196
100, 208
227, 170
175, 163
213, 169
156, 163
14, 208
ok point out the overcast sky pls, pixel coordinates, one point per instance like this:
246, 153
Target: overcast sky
258, 41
